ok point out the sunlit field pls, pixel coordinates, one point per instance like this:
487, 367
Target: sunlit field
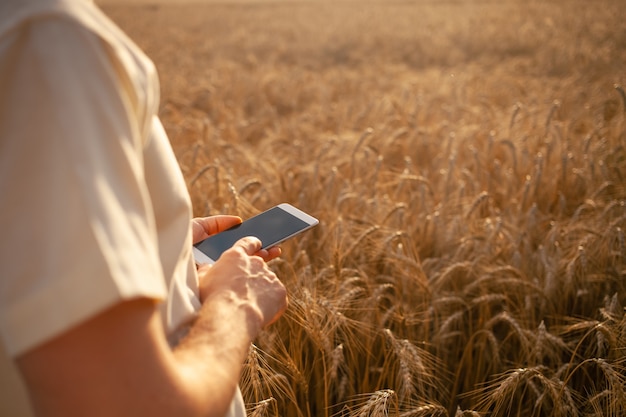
467, 162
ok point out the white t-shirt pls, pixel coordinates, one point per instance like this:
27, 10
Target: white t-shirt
93, 206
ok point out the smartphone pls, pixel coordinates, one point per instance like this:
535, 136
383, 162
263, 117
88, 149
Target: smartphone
271, 227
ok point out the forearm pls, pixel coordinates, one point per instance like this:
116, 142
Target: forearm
210, 357
119, 364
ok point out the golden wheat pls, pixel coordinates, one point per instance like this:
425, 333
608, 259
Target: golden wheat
467, 161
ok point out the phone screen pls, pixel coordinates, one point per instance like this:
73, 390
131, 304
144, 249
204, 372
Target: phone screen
271, 227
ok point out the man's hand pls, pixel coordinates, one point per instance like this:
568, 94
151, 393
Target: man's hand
241, 273
203, 227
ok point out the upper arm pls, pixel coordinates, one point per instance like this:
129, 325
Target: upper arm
74, 204
114, 364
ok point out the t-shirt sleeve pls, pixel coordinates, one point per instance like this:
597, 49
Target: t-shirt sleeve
78, 230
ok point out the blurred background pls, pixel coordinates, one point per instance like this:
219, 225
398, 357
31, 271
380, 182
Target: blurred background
467, 161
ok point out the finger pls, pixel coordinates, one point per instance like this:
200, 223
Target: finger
203, 227
274, 252
269, 254
250, 244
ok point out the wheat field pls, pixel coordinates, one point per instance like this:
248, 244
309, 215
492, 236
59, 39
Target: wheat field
467, 162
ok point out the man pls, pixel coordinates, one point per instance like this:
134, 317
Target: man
102, 310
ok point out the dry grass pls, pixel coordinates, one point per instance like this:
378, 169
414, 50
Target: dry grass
467, 161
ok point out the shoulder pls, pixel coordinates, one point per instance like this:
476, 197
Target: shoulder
75, 41
71, 18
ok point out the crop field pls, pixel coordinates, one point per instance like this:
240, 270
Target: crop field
467, 162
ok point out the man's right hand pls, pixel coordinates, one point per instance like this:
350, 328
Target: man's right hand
244, 276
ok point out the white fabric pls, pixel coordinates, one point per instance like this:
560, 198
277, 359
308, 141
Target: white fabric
84, 162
